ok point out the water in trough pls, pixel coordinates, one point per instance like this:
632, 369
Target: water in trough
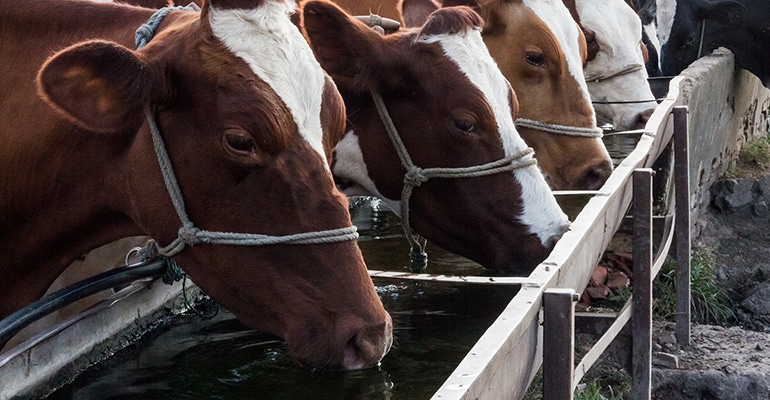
436, 324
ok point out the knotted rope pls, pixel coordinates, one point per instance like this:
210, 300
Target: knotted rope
415, 176
559, 129
189, 234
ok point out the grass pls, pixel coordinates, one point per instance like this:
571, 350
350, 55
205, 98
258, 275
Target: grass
710, 305
709, 302
754, 158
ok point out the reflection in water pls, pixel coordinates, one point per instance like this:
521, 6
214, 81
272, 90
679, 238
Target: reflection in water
385, 248
435, 326
620, 144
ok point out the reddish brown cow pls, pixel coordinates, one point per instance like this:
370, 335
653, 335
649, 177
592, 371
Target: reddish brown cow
451, 108
245, 125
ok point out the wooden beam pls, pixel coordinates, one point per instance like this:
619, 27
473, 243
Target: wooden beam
641, 318
558, 343
682, 190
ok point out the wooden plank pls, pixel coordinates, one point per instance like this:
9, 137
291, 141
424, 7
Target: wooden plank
558, 343
683, 244
590, 358
641, 318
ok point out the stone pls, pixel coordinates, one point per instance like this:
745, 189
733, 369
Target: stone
665, 360
731, 194
669, 338
758, 302
759, 209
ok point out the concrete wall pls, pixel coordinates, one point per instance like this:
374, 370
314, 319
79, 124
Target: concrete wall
727, 108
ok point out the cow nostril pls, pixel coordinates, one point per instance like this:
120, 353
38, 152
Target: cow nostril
640, 121
595, 177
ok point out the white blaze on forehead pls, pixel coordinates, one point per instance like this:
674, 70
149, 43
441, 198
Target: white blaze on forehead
541, 212
557, 17
666, 10
278, 54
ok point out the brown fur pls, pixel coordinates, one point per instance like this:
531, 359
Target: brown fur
425, 92
87, 175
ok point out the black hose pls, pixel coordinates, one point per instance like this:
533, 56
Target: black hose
12, 324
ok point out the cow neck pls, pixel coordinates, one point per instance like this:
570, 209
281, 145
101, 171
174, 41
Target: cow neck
415, 176
189, 234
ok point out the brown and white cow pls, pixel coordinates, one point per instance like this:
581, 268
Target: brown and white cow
541, 51
247, 117
451, 108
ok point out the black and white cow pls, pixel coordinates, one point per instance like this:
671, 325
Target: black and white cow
689, 29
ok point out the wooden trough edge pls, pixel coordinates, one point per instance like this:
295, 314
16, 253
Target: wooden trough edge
508, 355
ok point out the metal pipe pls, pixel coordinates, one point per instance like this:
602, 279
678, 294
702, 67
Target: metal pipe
18, 320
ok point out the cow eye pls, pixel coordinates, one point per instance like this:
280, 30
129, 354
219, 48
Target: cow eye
241, 143
535, 58
466, 126
689, 43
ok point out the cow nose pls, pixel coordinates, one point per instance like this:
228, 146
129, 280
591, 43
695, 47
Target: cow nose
368, 346
595, 176
551, 242
640, 121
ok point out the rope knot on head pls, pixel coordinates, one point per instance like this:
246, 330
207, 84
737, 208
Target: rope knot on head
415, 177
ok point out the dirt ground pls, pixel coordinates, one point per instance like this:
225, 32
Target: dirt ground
726, 362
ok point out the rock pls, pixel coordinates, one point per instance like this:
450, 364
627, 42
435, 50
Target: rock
665, 360
759, 209
669, 338
599, 276
710, 384
598, 292
758, 302
731, 194
616, 280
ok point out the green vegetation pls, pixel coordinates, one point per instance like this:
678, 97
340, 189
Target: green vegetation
754, 157
710, 303
593, 391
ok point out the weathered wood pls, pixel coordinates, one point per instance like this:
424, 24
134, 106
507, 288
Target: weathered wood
641, 318
590, 358
683, 245
558, 343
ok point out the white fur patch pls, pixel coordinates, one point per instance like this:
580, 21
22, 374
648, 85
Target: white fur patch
541, 212
666, 11
278, 54
557, 17
349, 164
618, 30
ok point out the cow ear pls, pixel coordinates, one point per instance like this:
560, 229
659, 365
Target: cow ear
416, 12
343, 46
728, 12
99, 85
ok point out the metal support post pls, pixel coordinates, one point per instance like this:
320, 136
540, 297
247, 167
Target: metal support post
682, 225
641, 315
558, 343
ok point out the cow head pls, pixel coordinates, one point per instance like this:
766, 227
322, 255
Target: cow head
541, 51
452, 108
247, 117
615, 72
680, 29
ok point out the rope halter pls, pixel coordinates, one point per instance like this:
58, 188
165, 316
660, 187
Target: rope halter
415, 176
628, 69
189, 234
